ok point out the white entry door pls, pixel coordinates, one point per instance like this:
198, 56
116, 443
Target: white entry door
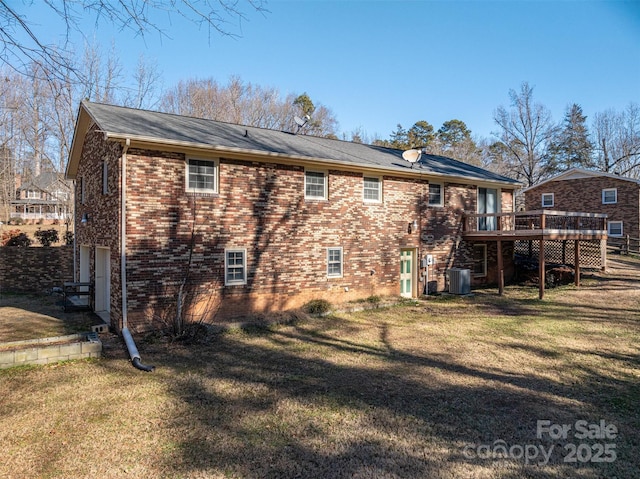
406, 273
102, 282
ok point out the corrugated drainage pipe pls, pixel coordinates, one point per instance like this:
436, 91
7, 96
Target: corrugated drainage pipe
133, 352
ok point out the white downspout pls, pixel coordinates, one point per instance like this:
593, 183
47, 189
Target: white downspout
123, 233
126, 334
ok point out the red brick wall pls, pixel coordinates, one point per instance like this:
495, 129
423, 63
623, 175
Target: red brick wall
260, 207
585, 195
35, 269
102, 228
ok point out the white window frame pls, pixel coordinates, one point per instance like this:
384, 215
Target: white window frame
331, 261
548, 195
441, 202
616, 223
34, 194
216, 168
615, 194
484, 261
228, 266
369, 179
325, 185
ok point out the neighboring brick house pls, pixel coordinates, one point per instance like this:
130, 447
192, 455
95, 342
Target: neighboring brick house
592, 192
243, 220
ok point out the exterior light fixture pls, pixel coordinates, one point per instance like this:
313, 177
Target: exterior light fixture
85, 218
413, 226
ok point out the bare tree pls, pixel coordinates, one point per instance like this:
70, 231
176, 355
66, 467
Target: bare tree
617, 138
246, 104
526, 133
21, 44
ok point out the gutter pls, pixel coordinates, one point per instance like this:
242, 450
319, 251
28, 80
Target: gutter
126, 334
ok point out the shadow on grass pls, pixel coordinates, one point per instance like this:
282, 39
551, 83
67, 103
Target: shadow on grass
308, 404
30, 316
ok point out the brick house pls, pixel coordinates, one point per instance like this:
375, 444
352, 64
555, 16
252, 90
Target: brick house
237, 220
591, 191
44, 199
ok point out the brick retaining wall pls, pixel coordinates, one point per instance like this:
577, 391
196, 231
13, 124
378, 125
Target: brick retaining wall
35, 269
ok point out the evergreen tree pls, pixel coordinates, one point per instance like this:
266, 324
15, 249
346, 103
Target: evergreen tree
420, 134
572, 147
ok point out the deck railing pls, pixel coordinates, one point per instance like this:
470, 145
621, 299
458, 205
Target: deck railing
535, 222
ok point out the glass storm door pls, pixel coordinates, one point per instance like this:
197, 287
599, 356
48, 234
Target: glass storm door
406, 273
487, 203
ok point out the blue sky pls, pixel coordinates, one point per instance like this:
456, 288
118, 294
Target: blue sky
379, 63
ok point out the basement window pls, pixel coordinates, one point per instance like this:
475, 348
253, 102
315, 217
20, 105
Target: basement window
615, 228
334, 262
235, 267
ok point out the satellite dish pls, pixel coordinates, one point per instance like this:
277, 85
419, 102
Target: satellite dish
301, 121
411, 155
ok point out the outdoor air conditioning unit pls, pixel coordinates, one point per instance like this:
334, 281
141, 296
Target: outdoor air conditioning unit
459, 281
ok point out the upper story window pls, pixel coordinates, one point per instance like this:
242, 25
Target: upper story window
33, 194
315, 185
202, 176
435, 194
372, 189
547, 200
609, 196
334, 262
235, 266
614, 228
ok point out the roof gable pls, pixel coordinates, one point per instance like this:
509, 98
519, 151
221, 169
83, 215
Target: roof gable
175, 131
579, 174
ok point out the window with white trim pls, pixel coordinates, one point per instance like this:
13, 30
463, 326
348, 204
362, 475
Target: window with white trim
315, 185
34, 195
479, 260
372, 189
614, 228
435, 194
547, 200
609, 196
235, 266
334, 262
202, 176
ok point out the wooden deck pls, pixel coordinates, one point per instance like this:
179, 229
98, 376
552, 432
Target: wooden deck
539, 225
535, 225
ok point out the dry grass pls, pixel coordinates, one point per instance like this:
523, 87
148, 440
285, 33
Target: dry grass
396, 393
37, 316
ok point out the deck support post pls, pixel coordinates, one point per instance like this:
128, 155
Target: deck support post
541, 269
576, 260
500, 269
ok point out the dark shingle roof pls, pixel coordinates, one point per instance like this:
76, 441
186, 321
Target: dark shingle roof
121, 122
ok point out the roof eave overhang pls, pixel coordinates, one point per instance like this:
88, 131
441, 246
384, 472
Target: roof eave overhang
249, 154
